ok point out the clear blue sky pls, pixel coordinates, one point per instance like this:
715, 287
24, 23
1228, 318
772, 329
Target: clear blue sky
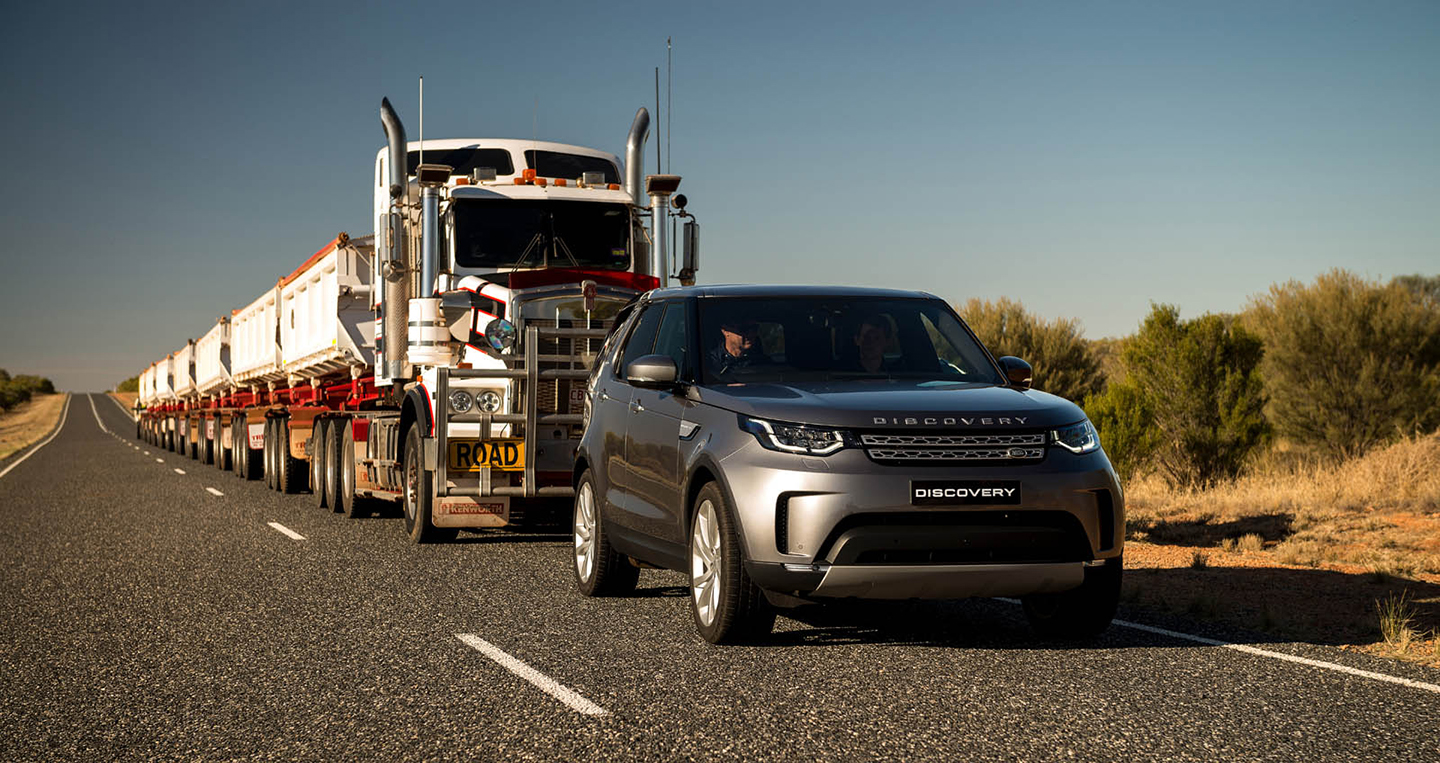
167, 162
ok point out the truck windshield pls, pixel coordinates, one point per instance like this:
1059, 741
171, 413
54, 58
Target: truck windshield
819, 339
499, 233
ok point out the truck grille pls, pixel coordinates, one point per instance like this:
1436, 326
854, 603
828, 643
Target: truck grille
939, 449
554, 395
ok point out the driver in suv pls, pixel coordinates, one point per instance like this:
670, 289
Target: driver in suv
831, 443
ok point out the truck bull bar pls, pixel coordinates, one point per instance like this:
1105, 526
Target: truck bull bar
524, 366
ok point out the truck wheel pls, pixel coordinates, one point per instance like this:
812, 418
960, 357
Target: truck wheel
334, 452
251, 463
728, 607
319, 439
419, 491
223, 453
207, 446
267, 454
346, 502
599, 569
292, 475
1079, 614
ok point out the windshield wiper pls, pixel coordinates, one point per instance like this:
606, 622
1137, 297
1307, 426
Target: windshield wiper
538, 238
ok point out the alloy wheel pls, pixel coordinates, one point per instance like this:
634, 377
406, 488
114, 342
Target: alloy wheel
705, 556
585, 532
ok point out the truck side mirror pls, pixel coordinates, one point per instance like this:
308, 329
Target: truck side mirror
1017, 371
689, 252
652, 371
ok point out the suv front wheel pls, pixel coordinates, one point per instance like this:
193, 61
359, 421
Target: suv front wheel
1081, 613
599, 569
728, 607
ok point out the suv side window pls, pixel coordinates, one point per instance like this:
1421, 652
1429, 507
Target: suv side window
641, 339
673, 338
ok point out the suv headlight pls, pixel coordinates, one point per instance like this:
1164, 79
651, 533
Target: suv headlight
795, 438
461, 401
1077, 438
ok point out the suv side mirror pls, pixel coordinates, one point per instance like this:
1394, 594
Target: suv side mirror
652, 371
1017, 371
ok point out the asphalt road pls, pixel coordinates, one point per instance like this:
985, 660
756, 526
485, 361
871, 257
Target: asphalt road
147, 618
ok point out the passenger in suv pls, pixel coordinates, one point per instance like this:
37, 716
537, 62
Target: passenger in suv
903, 463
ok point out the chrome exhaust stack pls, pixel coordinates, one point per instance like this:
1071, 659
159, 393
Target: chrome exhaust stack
394, 269
635, 156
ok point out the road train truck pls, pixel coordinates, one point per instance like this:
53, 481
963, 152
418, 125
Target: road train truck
440, 362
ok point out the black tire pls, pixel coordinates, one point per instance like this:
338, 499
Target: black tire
737, 610
207, 444
223, 451
346, 502
600, 571
1079, 614
268, 454
319, 439
334, 451
180, 445
252, 464
419, 493
293, 472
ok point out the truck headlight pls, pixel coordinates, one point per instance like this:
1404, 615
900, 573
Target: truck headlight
489, 401
1077, 438
461, 401
501, 334
795, 438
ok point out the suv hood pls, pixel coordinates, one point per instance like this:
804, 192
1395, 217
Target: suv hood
896, 404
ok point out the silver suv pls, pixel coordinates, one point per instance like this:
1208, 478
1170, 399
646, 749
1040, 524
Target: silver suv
785, 444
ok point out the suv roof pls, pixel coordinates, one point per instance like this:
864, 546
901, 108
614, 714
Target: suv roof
772, 290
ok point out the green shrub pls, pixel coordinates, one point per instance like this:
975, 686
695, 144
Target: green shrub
1062, 359
1126, 425
1190, 402
129, 385
1351, 363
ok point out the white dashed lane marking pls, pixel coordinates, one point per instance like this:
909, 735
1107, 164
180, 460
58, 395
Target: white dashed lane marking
541, 681
159, 460
179, 471
286, 531
213, 491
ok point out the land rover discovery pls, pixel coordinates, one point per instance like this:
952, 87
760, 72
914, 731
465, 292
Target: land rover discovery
783, 445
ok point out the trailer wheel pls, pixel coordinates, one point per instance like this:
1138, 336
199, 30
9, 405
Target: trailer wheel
206, 446
346, 502
292, 476
250, 465
267, 454
223, 454
419, 489
319, 453
334, 452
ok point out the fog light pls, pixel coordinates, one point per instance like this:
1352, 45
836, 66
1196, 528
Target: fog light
461, 401
489, 401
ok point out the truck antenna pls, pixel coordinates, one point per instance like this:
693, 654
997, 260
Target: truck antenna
657, 120
422, 119
669, 102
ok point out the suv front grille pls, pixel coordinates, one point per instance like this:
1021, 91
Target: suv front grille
999, 448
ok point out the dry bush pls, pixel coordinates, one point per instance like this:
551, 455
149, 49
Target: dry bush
1383, 505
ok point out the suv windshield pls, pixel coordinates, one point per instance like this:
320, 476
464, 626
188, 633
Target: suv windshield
498, 233
816, 339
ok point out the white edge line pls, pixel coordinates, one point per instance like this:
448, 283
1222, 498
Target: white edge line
64, 412
1273, 655
96, 411
541, 681
112, 399
286, 531
1283, 656
213, 491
